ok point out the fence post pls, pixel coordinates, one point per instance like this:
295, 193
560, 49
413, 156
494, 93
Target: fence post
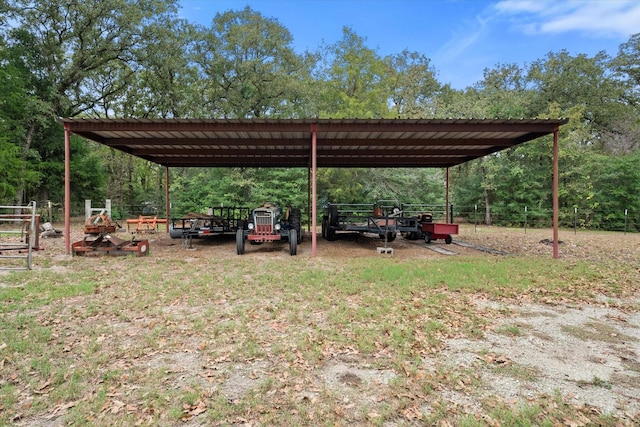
475, 218
626, 212
525, 220
575, 220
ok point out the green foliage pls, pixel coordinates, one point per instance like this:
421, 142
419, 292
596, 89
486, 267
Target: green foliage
196, 189
577, 81
9, 172
138, 59
411, 81
249, 68
352, 80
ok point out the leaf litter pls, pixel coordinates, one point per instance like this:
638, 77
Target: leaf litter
466, 373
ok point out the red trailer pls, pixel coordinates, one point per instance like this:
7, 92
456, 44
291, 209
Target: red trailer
438, 230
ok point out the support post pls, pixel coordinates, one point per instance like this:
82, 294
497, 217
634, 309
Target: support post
67, 189
166, 197
446, 209
314, 196
556, 181
309, 201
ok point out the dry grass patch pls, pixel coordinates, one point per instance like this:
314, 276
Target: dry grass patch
206, 337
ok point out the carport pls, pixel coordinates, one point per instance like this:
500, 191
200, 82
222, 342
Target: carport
310, 143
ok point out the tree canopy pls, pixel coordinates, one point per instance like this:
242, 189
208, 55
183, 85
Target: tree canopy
138, 58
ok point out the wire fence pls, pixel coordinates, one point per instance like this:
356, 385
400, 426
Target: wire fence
626, 221
525, 217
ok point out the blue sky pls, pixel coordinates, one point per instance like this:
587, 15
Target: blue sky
461, 37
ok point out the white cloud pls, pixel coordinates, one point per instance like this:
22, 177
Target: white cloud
463, 40
600, 18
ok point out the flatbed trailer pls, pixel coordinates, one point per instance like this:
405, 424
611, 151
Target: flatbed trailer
387, 219
382, 218
219, 220
357, 218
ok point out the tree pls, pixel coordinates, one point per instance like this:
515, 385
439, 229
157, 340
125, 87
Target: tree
626, 66
250, 67
412, 85
505, 91
9, 172
352, 80
23, 113
623, 136
577, 80
68, 54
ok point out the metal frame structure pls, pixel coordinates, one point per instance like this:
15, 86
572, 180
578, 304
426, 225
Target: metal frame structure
27, 232
310, 143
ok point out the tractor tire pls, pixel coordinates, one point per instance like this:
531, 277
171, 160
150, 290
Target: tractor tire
294, 222
240, 241
448, 239
427, 237
293, 242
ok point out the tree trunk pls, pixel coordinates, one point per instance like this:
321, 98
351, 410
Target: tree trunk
25, 154
487, 208
130, 188
487, 204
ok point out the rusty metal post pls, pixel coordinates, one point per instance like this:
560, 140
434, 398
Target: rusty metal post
67, 189
314, 196
556, 170
166, 196
309, 199
446, 204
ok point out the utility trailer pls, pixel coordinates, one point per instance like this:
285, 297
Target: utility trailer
435, 230
218, 220
430, 228
381, 218
387, 218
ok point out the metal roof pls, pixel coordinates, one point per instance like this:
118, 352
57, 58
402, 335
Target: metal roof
288, 142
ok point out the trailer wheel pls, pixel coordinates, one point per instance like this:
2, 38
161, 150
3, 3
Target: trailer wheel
427, 237
448, 239
333, 215
240, 241
325, 224
293, 242
413, 235
331, 234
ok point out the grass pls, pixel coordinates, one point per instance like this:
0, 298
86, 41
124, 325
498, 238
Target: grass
598, 331
150, 341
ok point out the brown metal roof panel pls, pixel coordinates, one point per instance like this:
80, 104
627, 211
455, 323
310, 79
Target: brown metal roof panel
391, 139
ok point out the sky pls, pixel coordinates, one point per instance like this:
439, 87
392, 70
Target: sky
462, 38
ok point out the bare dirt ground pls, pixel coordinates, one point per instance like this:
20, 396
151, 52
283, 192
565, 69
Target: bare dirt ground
587, 353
